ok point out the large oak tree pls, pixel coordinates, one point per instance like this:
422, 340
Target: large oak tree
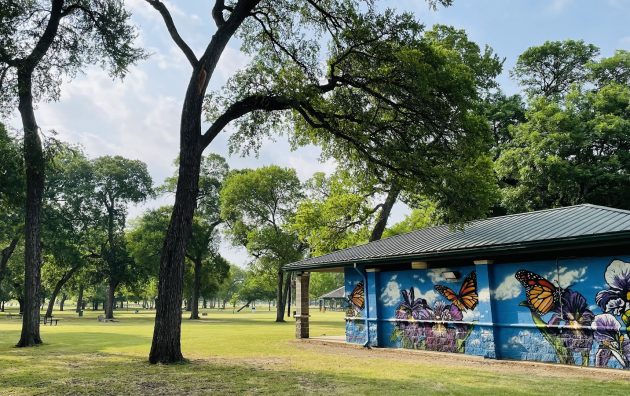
339, 69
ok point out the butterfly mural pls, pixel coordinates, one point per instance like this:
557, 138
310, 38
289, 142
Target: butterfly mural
357, 297
542, 295
467, 298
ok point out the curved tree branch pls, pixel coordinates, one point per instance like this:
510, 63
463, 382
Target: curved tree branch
170, 25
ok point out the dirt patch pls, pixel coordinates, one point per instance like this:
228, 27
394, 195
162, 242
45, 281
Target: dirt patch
504, 367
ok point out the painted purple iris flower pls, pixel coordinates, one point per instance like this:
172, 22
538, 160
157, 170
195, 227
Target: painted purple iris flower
616, 299
423, 327
411, 307
573, 312
607, 330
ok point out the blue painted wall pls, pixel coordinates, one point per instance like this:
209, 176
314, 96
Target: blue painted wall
571, 311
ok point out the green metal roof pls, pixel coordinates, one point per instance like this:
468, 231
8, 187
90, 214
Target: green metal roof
567, 226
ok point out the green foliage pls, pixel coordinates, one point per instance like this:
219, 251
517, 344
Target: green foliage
418, 219
550, 69
257, 286
90, 31
613, 69
321, 283
257, 206
336, 213
570, 150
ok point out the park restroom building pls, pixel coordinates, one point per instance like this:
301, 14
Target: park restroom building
550, 286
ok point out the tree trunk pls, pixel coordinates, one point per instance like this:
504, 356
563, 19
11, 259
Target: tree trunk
194, 312
111, 300
21, 305
6, 254
64, 297
34, 163
80, 299
288, 297
279, 294
60, 283
386, 210
166, 345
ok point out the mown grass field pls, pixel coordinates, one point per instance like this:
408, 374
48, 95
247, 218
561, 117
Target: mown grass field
247, 353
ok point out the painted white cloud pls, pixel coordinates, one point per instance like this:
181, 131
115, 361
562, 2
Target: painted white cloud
471, 316
431, 295
508, 289
435, 274
568, 278
484, 295
391, 293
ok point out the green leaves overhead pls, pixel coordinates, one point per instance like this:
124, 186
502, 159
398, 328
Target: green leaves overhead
90, 32
550, 69
381, 92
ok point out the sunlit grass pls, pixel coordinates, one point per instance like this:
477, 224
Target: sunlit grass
249, 353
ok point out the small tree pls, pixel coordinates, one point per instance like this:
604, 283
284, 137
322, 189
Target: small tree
257, 205
118, 182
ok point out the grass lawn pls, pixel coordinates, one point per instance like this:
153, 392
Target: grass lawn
247, 353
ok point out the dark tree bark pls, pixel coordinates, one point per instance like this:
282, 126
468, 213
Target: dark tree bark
34, 163
60, 283
6, 254
194, 312
288, 296
110, 303
21, 305
166, 346
64, 297
386, 210
279, 300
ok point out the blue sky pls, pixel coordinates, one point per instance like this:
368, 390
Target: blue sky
139, 117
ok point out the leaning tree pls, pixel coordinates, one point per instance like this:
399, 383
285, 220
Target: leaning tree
342, 69
41, 43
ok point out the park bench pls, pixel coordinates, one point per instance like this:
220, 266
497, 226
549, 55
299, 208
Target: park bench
101, 318
12, 315
49, 320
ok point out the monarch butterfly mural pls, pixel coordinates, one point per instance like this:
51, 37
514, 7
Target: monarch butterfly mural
438, 327
542, 295
467, 298
356, 300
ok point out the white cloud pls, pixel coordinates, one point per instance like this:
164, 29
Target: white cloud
557, 6
391, 293
431, 295
568, 278
306, 165
484, 294
231, 60
435, 274
508, 289
471, 316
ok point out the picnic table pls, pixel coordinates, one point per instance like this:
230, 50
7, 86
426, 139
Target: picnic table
49, 320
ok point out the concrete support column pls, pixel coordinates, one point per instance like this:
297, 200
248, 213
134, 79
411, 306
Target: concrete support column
301, 302
373, 314
487, 347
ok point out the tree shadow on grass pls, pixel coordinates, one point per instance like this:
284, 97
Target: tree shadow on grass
113, 374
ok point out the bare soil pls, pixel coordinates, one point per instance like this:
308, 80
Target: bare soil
504, 367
